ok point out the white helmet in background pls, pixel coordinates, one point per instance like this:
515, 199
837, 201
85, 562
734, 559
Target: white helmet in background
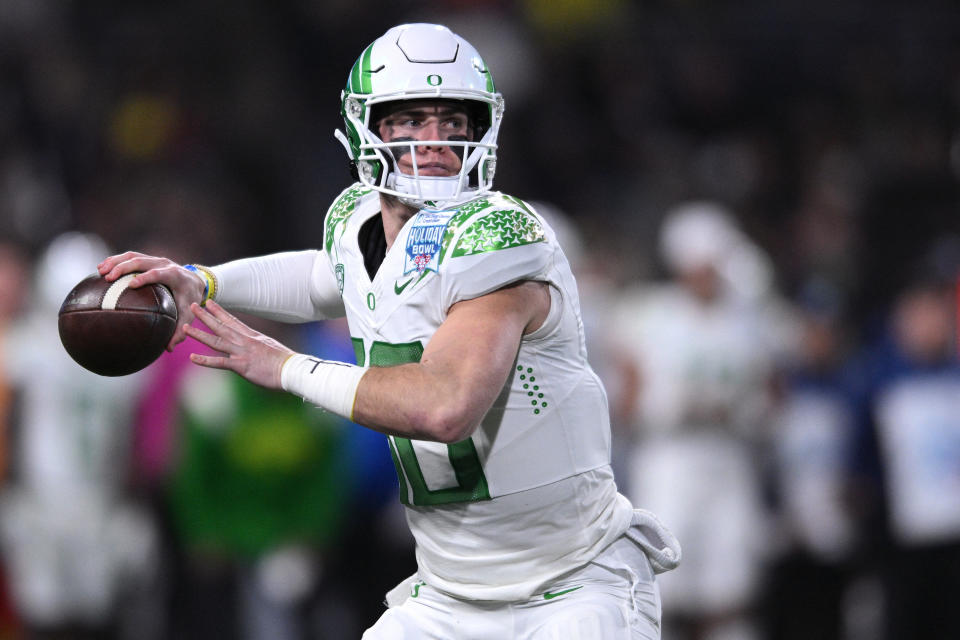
704, 233
69, 258
419, 62
697, 234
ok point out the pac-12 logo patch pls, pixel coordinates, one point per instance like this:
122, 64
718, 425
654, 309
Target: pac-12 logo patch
424, 241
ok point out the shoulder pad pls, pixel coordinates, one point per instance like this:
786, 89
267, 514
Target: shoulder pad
491, 223
341, 209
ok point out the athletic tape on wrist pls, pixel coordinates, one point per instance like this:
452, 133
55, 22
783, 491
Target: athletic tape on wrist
330, 385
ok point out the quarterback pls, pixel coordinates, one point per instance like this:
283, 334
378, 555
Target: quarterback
470, 356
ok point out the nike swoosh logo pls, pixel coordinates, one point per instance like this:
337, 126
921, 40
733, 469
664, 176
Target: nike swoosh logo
551, 596
398, 288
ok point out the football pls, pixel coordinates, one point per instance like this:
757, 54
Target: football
114, 330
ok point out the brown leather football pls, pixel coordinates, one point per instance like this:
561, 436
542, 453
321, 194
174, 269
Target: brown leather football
114, 330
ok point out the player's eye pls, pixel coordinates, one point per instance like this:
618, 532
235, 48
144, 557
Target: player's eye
402, 122
408, 122
458, 124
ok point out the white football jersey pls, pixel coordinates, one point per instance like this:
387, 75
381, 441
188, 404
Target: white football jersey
704, 367
530, 495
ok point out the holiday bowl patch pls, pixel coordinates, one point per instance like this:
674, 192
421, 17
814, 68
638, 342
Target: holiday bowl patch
424, 241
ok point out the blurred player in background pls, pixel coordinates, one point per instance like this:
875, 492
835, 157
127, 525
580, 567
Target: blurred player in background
466, 326
700, 348
256, 500
14, 286
14, 283
78, 551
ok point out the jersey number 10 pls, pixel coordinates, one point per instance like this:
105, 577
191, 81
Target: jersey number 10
427, 478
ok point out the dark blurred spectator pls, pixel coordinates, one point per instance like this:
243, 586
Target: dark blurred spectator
912, 424
812, 444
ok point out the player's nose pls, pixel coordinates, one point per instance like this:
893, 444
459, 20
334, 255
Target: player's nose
431, 132
430, 129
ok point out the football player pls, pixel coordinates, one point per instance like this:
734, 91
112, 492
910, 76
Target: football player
702, 344
470, 354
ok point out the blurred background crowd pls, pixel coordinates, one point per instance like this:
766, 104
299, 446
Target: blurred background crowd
761, 201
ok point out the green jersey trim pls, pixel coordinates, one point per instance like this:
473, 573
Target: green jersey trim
460, 218
497, 230
340, 211
511, 223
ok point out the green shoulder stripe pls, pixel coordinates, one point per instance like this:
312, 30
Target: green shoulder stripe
340, 210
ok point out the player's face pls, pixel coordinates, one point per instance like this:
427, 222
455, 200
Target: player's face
702, 281
427, 120
924, 323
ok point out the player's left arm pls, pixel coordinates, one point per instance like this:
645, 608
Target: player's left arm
443, 397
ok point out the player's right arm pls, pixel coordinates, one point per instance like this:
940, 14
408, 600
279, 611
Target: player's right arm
295, 286
290, 287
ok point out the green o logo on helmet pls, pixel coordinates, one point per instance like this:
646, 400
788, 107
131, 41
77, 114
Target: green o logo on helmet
434, 80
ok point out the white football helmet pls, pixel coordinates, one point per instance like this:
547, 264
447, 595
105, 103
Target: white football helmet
417, 62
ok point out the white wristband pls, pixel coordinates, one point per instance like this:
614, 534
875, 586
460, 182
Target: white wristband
330, 385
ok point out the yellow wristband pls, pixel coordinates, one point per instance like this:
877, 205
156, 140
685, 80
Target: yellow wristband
211, 290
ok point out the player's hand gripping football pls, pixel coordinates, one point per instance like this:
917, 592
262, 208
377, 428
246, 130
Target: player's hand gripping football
187, 287
256, 357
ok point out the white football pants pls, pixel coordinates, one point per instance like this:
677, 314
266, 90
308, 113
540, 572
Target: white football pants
614, 597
